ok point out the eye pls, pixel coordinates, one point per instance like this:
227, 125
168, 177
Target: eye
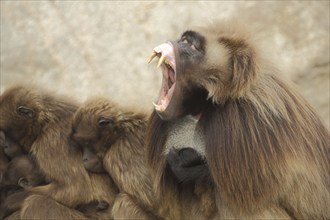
103, 121
23, 182
25, 111
185, 41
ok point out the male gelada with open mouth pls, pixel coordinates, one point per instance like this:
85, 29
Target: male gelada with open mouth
266, 150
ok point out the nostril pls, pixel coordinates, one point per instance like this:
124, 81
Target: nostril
85, 159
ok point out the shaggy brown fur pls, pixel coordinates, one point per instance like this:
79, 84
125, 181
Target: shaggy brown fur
3, 157
267, 150
3, 166
116, 135
40, 123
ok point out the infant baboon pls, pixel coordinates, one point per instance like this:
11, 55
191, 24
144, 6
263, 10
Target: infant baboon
22, 172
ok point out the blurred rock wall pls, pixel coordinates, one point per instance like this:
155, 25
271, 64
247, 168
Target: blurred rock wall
85, 48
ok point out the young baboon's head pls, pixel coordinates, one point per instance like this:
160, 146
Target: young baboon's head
25, 111
20, 114
95, 124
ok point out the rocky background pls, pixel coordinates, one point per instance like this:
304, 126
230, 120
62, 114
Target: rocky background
84, 48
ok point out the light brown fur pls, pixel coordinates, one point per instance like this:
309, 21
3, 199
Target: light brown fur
45, 135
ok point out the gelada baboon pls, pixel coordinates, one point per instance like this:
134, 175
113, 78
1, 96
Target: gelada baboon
263, 144
40, 123
112, 139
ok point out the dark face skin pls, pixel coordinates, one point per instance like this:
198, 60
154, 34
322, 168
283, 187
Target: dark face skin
187, 165
10, 148
88, 133
91, 161
188, 97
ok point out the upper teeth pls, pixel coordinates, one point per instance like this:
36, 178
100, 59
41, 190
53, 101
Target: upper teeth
162, 59
152, 56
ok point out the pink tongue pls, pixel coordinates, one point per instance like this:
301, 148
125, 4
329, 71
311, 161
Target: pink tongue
166, 49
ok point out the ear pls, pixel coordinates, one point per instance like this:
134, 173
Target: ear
25, 111
103, 121
23, 182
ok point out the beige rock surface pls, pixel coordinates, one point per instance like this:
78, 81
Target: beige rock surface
85, 48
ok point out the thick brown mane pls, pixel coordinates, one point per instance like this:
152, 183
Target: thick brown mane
252, 149
156, 137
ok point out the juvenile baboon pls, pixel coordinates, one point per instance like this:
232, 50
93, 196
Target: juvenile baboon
267, 151
112, 139
41, 124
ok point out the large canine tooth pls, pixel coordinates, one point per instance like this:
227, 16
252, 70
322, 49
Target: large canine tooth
152, 56
158, 107
161, 60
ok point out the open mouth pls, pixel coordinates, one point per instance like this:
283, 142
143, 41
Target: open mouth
165, 53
